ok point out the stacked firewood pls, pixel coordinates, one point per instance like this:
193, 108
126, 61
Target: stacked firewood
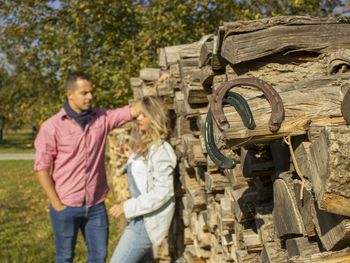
285, 197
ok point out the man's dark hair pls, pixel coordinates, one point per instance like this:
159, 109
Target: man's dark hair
73, 77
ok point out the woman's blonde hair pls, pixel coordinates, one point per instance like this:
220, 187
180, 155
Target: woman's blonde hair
158, 130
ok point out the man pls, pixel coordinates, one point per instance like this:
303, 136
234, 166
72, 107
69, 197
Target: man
69, 163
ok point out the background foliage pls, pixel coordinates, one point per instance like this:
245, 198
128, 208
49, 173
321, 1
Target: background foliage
42, 41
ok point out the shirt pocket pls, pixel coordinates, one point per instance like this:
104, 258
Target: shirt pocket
67, 144
97, 133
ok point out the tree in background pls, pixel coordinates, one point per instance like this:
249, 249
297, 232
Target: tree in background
110, 40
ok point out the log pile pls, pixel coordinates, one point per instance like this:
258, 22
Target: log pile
287, 198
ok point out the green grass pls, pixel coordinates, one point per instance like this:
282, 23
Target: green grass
17, 142
26, 235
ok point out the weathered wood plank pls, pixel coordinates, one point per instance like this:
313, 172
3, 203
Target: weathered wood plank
253, 163
305, 102
286, 216
330, 169
215, 181
333, 230
302, 246
273, 253
305, 203
150, 74
318, 37
325, 257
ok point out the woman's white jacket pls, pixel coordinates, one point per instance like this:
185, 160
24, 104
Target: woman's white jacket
154, 178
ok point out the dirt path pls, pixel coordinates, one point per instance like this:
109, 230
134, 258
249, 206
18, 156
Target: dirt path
17, 156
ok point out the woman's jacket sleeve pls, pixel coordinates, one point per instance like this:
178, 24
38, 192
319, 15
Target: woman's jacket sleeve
161, 167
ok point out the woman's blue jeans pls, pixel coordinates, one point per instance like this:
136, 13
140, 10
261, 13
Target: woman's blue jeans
134, 246
92, 221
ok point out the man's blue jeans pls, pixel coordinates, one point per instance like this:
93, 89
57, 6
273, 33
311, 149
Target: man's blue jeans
92, 221
134, 246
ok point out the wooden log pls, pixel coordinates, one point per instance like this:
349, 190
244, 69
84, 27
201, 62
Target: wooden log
215, 181
185, 212
282, 69
302, 104
194, 93
252, 241
150, 74
305, 203
236, 178
179, 103
162, 63
192, 50
302, 147
171, 54
312, 34
162, 251
174, 77
226, 243
189, 74
244, 257
302, 246
225, 216
345, 106
116, 164
189, 255
165, 89
286, 216
201, 122
149, 89
195, 156
339, 61
217, 60
190, 63
325, 257
182, 108
272, 253
216, 250
201, 253
206, 53
186, 126
200, 175
333, 230
264, 223
330, 166
207, 77
255, 163
195, 196
244, 201
136, 87
210, 216
280, 156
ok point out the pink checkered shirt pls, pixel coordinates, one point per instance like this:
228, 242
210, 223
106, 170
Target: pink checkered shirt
76, 156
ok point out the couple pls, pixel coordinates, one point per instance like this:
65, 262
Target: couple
69, 163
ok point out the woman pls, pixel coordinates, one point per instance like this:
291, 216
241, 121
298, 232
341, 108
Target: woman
150, 170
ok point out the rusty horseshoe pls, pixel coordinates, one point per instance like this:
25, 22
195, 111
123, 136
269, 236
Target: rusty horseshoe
269, 92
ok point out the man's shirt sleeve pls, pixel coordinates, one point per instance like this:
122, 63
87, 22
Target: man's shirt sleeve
117, 117
45, 148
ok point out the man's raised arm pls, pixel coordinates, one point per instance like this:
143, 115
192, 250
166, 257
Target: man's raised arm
135, 109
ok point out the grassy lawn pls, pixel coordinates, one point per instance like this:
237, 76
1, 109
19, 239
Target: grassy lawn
17, 142
26, 234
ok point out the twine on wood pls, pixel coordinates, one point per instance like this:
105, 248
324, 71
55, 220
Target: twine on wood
287, 140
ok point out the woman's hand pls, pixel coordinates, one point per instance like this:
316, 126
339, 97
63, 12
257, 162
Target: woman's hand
126, 150
116, 210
